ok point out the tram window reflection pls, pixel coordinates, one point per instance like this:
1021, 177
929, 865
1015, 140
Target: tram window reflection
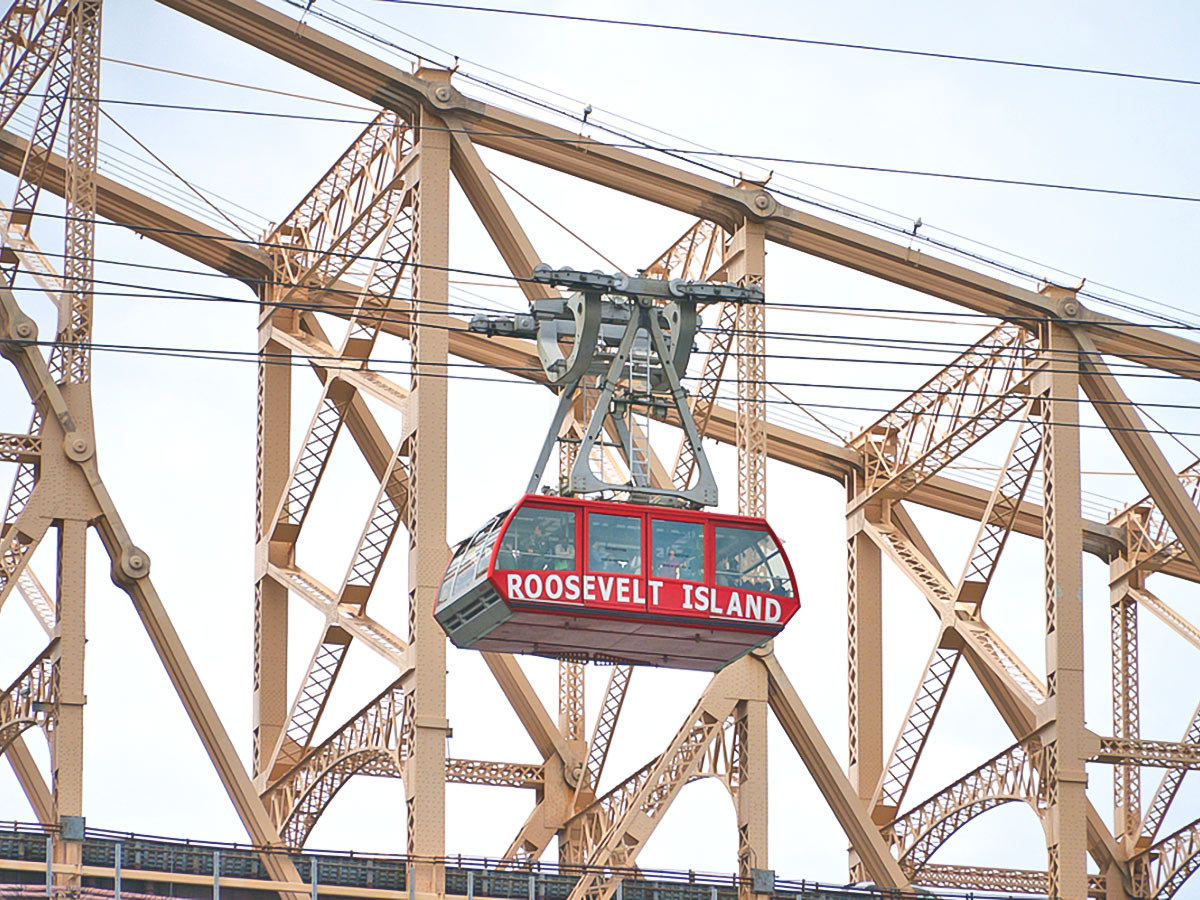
748, 559
539, 538
677, 549
614, 544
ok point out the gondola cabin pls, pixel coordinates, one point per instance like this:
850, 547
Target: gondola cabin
590, 580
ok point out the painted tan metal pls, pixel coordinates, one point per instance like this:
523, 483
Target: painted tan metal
839, 791
995, 526
237, 259
896, 460
72, 482
1057, 390
32, 782
745, 263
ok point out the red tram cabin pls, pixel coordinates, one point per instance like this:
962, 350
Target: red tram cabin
590, 580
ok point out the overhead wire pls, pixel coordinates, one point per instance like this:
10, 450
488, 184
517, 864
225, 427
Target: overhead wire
914, 344
305, 361
681, 151
869, 221
593, 249
410, 55
892, 228
789, 39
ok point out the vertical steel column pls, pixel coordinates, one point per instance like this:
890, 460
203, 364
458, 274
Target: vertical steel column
70, 359
1127, 785
66, 740
1065, 820
270, 696
425, 769
864, 634
746, 266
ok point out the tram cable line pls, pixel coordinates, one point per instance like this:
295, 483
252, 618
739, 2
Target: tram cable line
298, 361
828, 308
686, 152
869, 221
568, 113
761, 36
1137, 370
811, 201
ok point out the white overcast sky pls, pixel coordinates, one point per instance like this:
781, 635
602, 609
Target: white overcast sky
176, 437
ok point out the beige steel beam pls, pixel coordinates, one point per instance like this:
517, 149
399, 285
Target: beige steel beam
668, 186
1168, 615
1016, 692
864, 648
496, 774
272, 468
376, 740
839, 793
990, 539
1165, 867
1057, 390
33, 784
697, 255
1167, 788
998, 880
239, 259
1017, 773
619, 847
602, 733
232, 256
131, 573
529, 708
745, 264
1132, 436
1150, 542
425, 684
1159, 754
1126, 687
495, 214
33, 32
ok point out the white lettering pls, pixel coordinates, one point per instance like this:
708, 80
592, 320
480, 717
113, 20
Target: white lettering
735, 605
715, 605
554, 586
514, 586
637, 592
572, 591
687, 594
703, 597
773, 610
589, 587
654, 586
605, 585
533, 586
622, 590
753, 606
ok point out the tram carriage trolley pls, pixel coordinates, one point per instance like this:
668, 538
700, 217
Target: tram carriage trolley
653, 579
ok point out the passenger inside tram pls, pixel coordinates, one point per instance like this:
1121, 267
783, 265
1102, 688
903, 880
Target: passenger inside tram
749, 560
539, 539
678, 549
614, 544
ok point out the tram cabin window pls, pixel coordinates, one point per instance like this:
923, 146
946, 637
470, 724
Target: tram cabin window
539, 538
614, 544
677, 549
748, 559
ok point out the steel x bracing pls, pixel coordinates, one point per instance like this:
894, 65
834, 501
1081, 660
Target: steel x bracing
349, 248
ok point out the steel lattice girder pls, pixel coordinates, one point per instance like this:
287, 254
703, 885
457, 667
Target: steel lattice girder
1108, 334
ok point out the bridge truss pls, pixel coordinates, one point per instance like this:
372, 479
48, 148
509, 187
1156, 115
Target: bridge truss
372, 235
